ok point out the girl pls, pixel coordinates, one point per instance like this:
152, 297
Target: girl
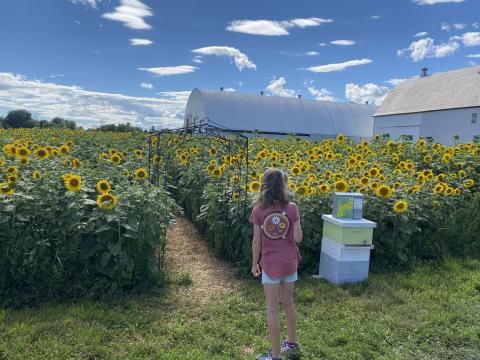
276, 233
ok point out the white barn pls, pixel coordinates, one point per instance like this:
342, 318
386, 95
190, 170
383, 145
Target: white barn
279, 115
439, 106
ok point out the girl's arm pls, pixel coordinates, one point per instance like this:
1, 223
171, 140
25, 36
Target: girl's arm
256, 249
297, 232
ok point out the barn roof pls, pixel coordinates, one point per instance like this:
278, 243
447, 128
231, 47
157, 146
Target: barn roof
442, 91
240, 111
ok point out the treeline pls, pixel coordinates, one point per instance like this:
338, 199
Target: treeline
24, 119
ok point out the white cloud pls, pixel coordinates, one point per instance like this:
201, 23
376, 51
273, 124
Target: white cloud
319, 94
143, 42
471, 39
272, 27
131, 13
375, 17
448, 27
229, 89
426, 48
322, 44
92, 3
276, 87
476, 25
369, 92
433, 2
197, 59
56, 75
339, 66
446, 49
170, 70
474, 56
421, 34
240, 59
89, 108
312, 53
395, 81
146, 85
303, 23
342, 42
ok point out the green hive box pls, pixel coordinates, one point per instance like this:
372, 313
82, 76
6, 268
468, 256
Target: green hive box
347, 205
348, 231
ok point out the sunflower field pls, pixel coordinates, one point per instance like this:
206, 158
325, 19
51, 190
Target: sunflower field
424, 196
78, 215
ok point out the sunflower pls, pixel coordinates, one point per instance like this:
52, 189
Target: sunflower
400, 206
24, 160
2, 162
446, 158
427, 158
373, 172
23, 152
6, 189
106, 201
64, 149
141, 174
72, 182
41, 153
323, 188
11, 169
469, 183
36, 175
340, 186
254, 186
295, 171
340, 138
76, 163
12, 178
302, 190
217, 172
103, 186
115, 158
212, 152
138, 153
384, 191
364, 180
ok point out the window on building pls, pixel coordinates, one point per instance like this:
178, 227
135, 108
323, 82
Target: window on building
406, 137
474, 118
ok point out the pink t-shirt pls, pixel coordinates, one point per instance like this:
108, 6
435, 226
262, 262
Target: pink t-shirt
280, 255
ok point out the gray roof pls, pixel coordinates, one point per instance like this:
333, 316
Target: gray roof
441, 91
240, 111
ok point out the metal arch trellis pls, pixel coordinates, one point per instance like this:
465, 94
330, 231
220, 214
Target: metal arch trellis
163, 146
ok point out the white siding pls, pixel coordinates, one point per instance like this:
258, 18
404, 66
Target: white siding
398, 125
441, 125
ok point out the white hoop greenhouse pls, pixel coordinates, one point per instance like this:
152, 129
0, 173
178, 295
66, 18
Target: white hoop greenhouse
279, 115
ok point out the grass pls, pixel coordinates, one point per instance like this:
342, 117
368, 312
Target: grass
430, 312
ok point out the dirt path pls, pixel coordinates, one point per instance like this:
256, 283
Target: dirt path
186, 251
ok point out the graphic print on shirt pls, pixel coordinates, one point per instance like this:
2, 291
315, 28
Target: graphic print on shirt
276, 225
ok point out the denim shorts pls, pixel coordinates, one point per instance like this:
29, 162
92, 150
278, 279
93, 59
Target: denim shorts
288, 278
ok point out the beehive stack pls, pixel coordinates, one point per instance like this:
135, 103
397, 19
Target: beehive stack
346, 242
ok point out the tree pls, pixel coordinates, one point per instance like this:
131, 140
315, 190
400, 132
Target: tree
61, 123
19, 119
1, 121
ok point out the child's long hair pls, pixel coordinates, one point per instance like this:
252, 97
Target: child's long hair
274, 190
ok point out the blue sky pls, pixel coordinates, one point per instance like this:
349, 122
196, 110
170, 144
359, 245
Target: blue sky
110, 61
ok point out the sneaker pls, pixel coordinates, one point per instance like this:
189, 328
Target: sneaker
269, 356
286, 346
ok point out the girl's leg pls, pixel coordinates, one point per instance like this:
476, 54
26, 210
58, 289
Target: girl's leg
272, 299
286, 296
